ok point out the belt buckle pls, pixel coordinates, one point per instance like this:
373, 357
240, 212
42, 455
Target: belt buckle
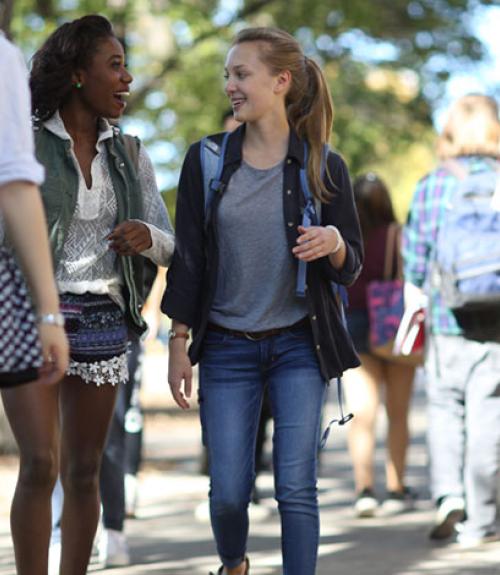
252, 337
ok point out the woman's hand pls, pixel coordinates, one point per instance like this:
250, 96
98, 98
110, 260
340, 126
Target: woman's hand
180, 372
316, 242
130, 238
55, 351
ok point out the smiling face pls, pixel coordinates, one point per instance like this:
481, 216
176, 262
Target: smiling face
253, 90
105, 81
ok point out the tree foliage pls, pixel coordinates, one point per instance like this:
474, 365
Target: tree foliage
385, 61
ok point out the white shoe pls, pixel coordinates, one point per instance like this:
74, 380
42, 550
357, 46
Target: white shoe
113, 549
54, 558
399, 502
366, 504
467, 542
450, 512
131, 492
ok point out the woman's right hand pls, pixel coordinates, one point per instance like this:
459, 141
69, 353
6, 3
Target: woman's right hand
55, 351
180, 372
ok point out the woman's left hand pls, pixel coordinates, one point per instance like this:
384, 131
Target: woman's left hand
130, 238
315, 242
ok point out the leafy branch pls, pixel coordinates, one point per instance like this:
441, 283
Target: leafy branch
172, 62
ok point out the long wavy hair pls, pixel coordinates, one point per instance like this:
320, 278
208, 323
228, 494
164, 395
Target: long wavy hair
71, 47
308, 102
373, 202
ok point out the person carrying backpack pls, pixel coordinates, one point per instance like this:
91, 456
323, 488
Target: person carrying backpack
233, 283
451, 251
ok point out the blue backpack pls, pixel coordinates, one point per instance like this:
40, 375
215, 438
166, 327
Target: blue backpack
468, 244
212, 165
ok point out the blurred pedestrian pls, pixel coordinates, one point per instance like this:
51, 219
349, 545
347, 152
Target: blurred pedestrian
376, 376
122, 453
96, 209
235, 287
463, 355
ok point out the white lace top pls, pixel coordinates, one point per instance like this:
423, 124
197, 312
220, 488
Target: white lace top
87, 265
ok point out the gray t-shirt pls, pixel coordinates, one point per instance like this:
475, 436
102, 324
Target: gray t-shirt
256, 276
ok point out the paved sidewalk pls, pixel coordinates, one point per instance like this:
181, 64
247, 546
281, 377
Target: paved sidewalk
171, 536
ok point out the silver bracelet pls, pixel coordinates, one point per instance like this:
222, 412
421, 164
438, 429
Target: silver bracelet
51, 319
339, 240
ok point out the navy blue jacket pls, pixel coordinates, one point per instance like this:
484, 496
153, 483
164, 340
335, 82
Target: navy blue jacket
191, 279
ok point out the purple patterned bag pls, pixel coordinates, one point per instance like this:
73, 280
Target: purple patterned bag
385, 310
385, 302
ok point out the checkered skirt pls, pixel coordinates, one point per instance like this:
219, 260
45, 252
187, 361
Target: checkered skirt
20, 350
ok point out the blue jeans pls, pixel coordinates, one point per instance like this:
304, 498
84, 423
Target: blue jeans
233, 374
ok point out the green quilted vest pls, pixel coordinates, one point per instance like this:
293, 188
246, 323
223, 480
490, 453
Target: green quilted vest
60, 192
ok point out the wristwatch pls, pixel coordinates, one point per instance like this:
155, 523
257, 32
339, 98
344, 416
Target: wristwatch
172, 334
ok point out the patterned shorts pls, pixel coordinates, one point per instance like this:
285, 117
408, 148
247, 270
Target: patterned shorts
98, 338
20, 350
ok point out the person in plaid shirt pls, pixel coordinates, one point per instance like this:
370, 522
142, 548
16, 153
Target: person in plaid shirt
463, 375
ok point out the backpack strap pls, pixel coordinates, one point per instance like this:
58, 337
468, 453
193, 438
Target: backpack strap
212, 164
312, 216
312, 211
309, 217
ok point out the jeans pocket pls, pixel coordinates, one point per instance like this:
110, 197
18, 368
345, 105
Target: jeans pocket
300, 333
214, 339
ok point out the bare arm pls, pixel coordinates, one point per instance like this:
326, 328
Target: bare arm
22, 209
180, 371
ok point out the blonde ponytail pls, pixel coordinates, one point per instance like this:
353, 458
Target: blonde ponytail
312, 119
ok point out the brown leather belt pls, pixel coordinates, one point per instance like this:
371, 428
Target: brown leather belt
258, 335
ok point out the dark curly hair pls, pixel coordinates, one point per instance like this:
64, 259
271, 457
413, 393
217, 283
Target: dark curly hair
373, 202
69, 48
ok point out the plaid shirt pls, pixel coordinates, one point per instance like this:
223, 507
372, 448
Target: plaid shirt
420, 236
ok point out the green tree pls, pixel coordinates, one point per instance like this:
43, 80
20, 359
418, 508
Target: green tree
386, 62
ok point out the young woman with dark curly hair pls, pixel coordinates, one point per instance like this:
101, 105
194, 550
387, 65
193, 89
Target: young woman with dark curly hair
102, 214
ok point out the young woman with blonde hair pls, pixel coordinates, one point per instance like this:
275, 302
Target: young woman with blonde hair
463, 347
232, 282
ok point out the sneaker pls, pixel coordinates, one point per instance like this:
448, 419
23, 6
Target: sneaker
113, 549
131, 492
399, 501
366, 503
468, 542
451, 511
